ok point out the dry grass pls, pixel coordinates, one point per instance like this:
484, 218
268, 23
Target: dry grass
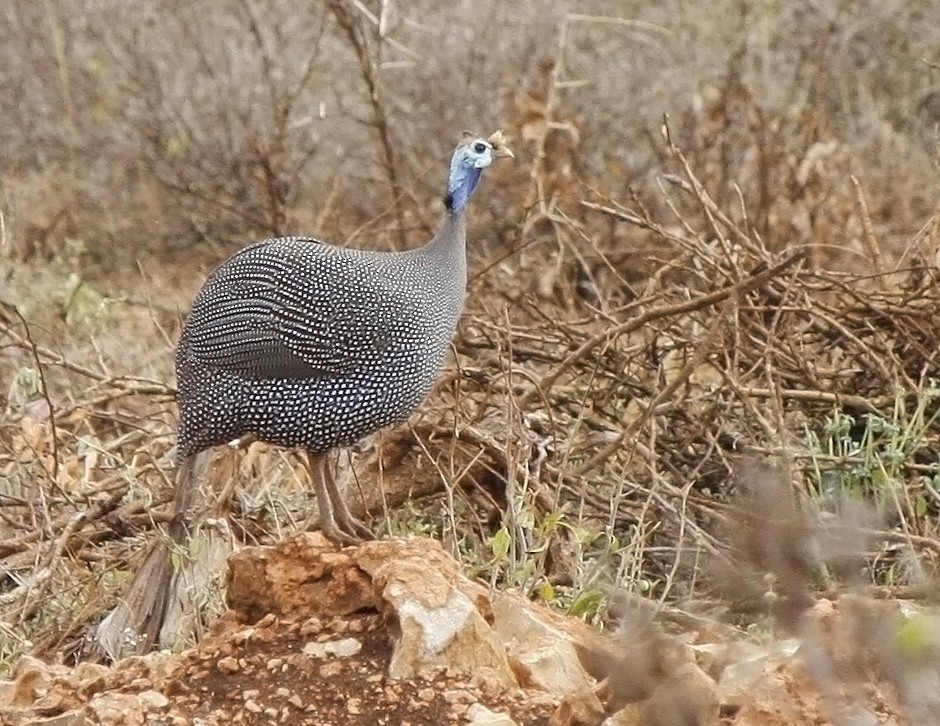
651, 302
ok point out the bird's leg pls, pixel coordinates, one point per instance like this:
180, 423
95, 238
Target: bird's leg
328, 525
345, 518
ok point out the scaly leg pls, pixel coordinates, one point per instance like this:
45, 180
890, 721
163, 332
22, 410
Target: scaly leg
336, 521
344, 517
328, 524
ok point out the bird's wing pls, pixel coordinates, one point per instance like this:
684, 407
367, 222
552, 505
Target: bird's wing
284, 313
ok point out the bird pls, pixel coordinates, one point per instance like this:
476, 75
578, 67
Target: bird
302, 344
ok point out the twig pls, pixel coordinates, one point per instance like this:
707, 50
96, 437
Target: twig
368, 70
841, 399
53, 433
127, 384
665, 311
868, 236
711, 209
698, 357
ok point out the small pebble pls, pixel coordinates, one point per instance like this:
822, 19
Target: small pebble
228, 665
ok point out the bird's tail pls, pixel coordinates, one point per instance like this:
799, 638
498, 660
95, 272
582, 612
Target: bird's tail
134, 625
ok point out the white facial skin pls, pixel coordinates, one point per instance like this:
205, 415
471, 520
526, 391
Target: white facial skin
478, 153
469, 160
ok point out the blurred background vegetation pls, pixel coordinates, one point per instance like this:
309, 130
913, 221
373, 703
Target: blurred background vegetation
163, 127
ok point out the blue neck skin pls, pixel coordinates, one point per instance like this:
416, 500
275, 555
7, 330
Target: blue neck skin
461, 184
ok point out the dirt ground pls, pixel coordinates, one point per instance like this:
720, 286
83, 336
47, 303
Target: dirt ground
311, 639
268, 676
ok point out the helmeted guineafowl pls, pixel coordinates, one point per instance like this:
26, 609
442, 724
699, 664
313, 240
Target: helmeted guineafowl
302, 344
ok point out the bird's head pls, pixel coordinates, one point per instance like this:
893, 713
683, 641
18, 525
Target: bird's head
472, 155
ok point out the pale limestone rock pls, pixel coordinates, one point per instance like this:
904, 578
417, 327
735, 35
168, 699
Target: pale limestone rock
443, 617
687, 696
116, 709
153, 700
582, 708
89, 676
32, 684
740, 676
480, 715
742, 665
342, 648
75, 717
541, 653
633, 714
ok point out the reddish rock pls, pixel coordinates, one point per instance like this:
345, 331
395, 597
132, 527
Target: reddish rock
302, 577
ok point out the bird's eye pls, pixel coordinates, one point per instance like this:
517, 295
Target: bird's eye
479, 147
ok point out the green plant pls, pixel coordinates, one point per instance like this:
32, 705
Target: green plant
883, 458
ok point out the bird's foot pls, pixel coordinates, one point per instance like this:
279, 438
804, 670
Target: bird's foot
335, 534
356, 528
349, 531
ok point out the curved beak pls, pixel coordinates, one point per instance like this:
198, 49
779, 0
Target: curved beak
500, 149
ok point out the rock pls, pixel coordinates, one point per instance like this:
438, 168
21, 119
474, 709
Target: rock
739, 676
688, 696
480, 715
541, 654
582, 708
740, 665
36, 687
458, 648
713, 658
342, 648
301, 577
443, 617
647, 678
116, 709
632, 714
157, 666
23, 690
634, 662
153, 700
75, 717
769, 703
228, 665
90, 677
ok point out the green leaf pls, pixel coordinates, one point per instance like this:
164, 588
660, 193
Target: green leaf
587, 604
546, 592
550, 522
499, 544
527, 518
82, 302
918, 636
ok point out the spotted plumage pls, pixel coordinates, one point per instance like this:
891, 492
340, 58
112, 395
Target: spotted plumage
305, 344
